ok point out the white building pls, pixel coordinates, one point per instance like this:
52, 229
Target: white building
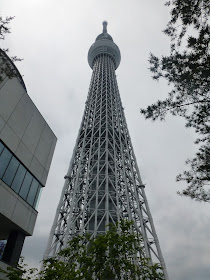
27, 145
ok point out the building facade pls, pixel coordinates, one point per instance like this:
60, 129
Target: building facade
103, 183
27, 145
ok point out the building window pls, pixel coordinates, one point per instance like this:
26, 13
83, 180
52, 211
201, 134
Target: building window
2, 247
11, 171
18, 179
26, 185
4, 161
38, 195
33, 192
16, 176
1, 147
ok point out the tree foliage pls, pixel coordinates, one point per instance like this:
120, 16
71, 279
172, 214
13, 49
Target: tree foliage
118, 254
7, 68
187, 70
20, 272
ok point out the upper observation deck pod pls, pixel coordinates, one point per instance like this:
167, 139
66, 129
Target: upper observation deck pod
104, 45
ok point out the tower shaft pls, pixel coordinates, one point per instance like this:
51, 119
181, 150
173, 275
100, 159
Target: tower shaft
103, 183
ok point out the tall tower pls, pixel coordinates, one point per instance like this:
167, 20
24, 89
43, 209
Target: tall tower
103, 184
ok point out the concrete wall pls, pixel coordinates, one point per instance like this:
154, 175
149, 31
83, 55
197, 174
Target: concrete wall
15, 213
24, 130
3, 266
26, 134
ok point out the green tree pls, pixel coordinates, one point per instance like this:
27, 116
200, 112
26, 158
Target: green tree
117, 254
7, 68
187, 70
20, 272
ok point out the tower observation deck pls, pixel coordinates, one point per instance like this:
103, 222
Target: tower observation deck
103, 183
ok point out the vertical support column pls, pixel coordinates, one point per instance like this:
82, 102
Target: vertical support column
13, 247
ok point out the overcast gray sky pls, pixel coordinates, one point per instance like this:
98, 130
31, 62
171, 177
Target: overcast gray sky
53, 37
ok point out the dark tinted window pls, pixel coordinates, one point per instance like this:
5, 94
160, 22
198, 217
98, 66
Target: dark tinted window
16, 184
38, 194
10, 171
26, 185
4, 160
1, 147
32, 193
16, 176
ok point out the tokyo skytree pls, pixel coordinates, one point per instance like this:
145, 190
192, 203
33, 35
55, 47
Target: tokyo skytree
103, 183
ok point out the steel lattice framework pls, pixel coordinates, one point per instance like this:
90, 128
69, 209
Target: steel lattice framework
103, 183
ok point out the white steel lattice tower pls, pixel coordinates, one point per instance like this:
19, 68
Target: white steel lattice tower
103, 184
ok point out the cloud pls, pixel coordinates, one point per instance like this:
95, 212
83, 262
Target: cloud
53, 37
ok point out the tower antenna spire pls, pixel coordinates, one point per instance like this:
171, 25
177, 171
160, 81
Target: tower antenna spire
105, 23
